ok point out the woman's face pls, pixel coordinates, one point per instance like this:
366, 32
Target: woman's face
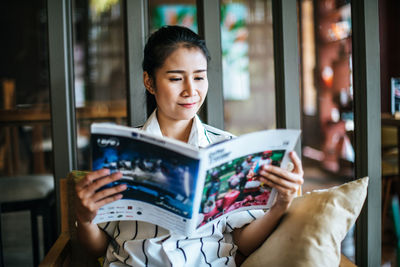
180, 84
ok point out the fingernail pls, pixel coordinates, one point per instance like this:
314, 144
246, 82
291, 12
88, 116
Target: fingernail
290, 167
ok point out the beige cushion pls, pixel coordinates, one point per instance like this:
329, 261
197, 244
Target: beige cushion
311, 232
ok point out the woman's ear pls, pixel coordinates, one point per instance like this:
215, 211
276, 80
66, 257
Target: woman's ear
148, 82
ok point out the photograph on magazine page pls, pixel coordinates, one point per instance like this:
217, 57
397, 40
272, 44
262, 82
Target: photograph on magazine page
234, 184
152, 174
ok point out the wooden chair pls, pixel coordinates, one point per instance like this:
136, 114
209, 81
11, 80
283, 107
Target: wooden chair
9, 151
390, 167
67, 251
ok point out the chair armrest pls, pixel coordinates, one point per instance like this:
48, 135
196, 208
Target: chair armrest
345, 262
59, 252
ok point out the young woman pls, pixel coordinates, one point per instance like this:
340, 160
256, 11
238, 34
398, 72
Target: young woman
175, 76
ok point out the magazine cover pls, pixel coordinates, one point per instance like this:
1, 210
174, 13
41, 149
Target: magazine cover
180, 187
160, 180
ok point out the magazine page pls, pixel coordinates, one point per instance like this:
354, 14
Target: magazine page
231, 170
160, 175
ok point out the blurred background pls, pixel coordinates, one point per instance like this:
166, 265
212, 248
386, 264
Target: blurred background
100, 82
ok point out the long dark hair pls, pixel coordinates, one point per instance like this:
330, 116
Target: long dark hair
163, 43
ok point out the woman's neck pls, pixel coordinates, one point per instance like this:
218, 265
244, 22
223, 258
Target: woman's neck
176, 129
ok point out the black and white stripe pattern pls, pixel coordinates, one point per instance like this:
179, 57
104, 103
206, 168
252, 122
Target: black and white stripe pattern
145, 244
251, 215
202, 252
146, 261
183, 251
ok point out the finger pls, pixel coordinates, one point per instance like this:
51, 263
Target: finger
90, 177
278, 180
109, 192
107, 200
278, 171
281, 189
88, 191
290, 167
298, 167
97, 184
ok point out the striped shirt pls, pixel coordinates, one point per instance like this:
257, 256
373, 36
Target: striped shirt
137, 243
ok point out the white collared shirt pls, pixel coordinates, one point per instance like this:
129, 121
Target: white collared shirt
201, 135
137, 243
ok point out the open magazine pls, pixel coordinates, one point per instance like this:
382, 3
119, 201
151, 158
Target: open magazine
180, 187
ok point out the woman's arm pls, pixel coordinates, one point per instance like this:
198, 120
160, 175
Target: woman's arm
88, 203
92, 238
287, 184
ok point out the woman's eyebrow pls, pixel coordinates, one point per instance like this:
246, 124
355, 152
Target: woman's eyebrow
175, 71
197, 71
182, 71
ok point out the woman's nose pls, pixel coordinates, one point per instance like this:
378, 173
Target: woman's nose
190, 89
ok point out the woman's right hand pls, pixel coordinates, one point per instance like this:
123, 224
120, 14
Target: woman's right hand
89, 200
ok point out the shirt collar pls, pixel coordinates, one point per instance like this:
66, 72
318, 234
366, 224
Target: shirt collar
198, 135
151, 125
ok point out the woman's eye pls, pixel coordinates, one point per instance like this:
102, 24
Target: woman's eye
199, 78
174, 79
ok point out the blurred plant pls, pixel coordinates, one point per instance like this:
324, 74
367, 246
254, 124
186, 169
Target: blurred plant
101, 6
184, 15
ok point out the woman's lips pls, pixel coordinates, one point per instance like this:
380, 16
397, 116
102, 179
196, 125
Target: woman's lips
188, 105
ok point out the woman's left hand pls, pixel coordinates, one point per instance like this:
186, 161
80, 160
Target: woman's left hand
287, 183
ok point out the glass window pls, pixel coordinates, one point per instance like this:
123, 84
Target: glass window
25, 135
26, 158
99, 65
164, 12
248, 65
327, 114
327, 97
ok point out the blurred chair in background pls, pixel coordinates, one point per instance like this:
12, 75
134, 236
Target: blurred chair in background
396, 220
33, 193
390, 166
